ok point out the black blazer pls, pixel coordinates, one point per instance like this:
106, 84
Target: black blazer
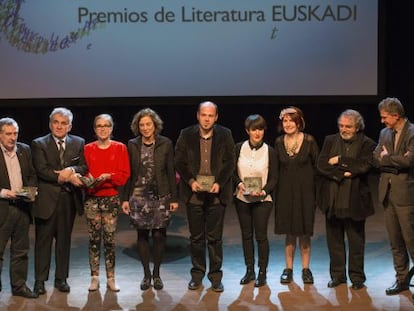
164, 167
46, 161
187, 160
28, 175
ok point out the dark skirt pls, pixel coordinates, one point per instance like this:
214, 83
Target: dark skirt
149, 211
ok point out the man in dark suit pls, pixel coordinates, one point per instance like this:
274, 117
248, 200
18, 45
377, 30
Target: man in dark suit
205, 160
345, 166
394, 155
58, 159
16, 172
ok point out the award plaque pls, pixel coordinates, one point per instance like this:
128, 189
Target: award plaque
89, 181
27, 193
252, 184
206, 182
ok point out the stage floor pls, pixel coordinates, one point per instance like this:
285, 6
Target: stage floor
175, 274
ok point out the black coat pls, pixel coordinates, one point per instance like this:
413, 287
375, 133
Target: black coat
164, 167
332, 177
187, 160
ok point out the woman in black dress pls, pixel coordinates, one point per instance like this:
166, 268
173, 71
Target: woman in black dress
296, 153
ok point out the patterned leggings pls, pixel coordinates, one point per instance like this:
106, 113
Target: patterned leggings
101, 217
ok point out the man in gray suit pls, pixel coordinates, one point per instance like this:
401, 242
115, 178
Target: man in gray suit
394, 155
58, 158
16, 172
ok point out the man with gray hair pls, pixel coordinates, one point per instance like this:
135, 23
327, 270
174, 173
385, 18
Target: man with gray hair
394, 155
58, 159
16, 173
345, 163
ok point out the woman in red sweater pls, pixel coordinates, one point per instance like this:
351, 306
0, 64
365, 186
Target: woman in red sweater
108, 165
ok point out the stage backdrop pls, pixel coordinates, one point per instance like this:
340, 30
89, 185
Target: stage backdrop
149, 48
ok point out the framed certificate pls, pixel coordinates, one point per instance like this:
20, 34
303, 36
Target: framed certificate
206, 182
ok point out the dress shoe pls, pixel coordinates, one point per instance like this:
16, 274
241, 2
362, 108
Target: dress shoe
249, 276
335, 282
217, 287
145, 283
307, 276
111, 285
193, 284
287, 276
409, 276
62, 286
158, 284
396, 288
261, 279
39, 287
24, 291
357, 285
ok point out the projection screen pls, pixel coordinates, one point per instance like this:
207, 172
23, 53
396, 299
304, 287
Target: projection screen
149, 48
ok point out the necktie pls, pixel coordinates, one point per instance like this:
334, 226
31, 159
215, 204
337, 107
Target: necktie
394, 139
61, 152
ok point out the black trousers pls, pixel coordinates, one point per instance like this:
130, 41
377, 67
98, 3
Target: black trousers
336, 229
205, 223
253, 220
16, 229
57, 227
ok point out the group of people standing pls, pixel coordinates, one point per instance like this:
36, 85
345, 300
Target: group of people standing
104, 177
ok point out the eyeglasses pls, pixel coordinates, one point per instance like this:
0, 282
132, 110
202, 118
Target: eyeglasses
101, 126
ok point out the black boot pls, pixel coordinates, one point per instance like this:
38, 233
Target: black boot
261, 278
249, 276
